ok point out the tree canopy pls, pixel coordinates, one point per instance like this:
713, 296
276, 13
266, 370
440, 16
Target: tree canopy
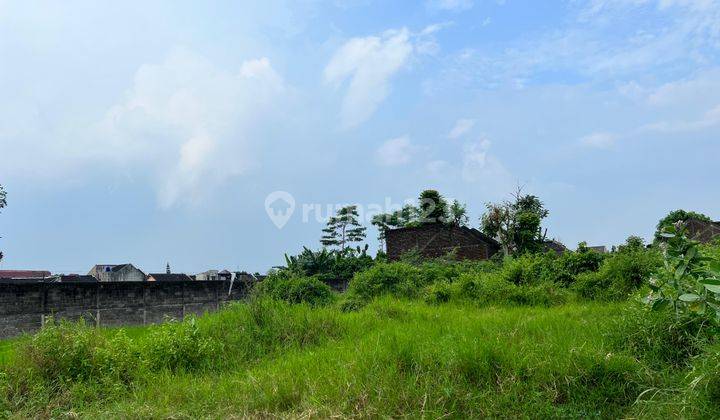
677, 216
516, 223
343, 229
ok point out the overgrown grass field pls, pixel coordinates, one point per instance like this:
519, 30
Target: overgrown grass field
391, 358
577, 335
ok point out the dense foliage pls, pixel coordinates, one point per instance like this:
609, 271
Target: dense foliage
293, 288
677, 216
516, 223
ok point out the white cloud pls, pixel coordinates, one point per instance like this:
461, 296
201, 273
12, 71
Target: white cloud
709, 119
437, 167
462, 126
369, 63
188, 120
452, 5
648, 36
395, 152
599, 140
480, 166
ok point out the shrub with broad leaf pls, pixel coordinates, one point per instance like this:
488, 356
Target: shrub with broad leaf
688, 282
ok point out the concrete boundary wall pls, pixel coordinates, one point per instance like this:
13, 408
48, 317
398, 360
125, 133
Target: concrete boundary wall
25, 307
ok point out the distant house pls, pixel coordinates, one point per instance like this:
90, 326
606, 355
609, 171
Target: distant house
437, 239
168, 277
555, 246
24, 274
223, 275
600, 249
703, 231
116, 272
72, 278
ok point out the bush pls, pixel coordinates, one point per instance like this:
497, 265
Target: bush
441, 270
179, 346
62, 352
487, 288
439, 292
620, 274
530, 269
291, 288
398, 278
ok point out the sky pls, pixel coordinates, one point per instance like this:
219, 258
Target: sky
165, 131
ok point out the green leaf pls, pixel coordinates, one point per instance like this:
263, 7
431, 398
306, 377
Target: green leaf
710, 281
712, 287
660, 304
680, 271
715, 267
667, 235
689, 297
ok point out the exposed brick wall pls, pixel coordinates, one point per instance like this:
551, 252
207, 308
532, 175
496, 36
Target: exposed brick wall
436, 240
25, 307
703, 231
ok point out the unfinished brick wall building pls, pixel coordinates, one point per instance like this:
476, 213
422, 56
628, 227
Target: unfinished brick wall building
437, 239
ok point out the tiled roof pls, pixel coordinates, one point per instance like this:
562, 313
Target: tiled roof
169, 277
23, 274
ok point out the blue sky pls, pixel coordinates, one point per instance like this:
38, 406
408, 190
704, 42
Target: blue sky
152, 132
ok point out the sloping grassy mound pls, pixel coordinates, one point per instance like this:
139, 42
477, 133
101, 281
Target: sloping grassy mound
391, 358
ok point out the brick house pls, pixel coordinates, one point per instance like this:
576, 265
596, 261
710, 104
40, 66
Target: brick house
116, 272
437, 239
702, 231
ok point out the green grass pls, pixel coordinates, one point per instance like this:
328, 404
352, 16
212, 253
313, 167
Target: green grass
392, 358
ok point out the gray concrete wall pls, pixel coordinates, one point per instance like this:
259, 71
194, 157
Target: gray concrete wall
24, 307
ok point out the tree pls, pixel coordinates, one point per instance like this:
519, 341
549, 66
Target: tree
343, 229
406, 216
3, 203
678, 216
433, 207
382, 223
458, 214
516, 224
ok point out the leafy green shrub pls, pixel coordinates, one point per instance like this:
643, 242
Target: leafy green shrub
442, 270
398, 278
488, 288
530, 268
294, 289
621, 273
584, 260
688, 282
439, 292
62, 351
179, 346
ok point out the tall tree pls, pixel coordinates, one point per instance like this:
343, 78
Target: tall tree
458, 214
516, 224
3, 203
343, 229
433, 207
